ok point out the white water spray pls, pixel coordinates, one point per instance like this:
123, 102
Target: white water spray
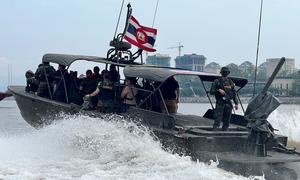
80, 147
287, 121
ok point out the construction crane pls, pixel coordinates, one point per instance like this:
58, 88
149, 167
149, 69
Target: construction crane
180, 46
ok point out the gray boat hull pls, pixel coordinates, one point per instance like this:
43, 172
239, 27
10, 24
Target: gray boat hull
38, 111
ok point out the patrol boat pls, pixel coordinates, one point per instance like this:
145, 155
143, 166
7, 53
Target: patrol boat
247, 148
250, 147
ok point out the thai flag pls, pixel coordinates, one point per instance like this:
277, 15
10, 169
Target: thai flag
140, 36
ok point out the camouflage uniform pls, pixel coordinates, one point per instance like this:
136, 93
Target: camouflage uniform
224, 106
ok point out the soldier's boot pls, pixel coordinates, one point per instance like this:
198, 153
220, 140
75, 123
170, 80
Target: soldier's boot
224, 128
215, 127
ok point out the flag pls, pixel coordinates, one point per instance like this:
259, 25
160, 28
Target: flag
140, 36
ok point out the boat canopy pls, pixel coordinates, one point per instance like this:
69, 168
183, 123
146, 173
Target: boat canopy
161, 74
68, 59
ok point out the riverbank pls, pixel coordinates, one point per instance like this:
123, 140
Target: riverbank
283, 100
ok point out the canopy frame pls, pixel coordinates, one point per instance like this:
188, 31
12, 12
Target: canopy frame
68, 59
145, 72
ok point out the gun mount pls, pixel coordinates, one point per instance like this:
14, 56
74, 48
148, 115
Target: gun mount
120, 51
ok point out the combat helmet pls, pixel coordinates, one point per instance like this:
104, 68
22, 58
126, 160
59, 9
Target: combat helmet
225, 71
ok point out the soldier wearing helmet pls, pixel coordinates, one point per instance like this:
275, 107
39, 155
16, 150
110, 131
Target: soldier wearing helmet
223, 89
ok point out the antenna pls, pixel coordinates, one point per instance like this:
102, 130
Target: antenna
154, 17
11, 75
119, 19
8, 75
257, 49
180, 46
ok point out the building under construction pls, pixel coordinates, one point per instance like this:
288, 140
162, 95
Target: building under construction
192, 62
159, 60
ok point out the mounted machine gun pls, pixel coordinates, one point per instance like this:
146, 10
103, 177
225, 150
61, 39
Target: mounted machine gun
257, 113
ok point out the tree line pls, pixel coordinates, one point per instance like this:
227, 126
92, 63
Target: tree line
192, 86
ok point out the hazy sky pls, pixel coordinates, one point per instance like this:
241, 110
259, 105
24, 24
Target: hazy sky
223, 30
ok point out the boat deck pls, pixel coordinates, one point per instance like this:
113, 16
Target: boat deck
200, 124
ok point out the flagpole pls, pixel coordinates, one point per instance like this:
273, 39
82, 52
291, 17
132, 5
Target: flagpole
257, 49
129, 11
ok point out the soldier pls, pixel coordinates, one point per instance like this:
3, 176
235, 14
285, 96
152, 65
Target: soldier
105, 92
114, 74
88, 84
223, 89
98, 77
170, 92
32, 83
41, 75
129, 92
62, 80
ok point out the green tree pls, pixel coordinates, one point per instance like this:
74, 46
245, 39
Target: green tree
261, 75
247, 70
234, 70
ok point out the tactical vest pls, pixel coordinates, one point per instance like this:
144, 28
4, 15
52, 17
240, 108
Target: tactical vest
228, 87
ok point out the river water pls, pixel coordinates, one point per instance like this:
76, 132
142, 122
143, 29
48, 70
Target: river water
79, 147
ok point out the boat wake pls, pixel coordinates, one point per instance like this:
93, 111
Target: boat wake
287, 122
80, 147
